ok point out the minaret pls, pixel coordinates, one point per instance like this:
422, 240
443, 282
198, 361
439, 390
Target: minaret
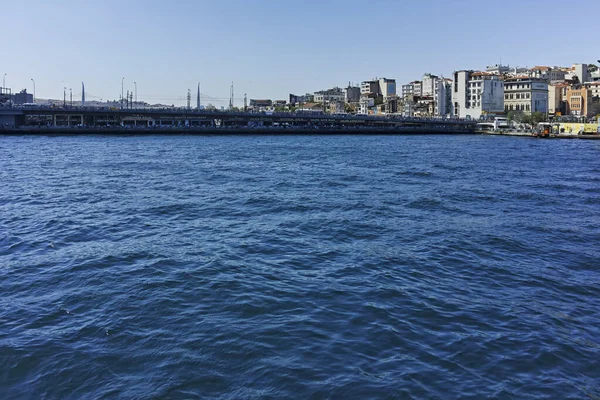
198, 98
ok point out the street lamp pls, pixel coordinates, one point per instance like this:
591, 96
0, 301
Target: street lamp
65, 97
135, 85
122, 80
33, 89
71, 96
4, 81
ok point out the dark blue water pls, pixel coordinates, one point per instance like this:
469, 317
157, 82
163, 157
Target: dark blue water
299, 267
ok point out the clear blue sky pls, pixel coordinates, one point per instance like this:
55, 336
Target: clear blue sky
270, 48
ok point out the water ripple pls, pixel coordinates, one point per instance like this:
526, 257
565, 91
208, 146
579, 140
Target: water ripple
296, 267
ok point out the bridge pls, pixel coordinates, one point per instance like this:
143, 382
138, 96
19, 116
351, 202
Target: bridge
40, 119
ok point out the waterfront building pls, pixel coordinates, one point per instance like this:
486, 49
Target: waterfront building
352, 94
476, 94
581, 101
526, 95
367, 102
428, 85
556, 105
329, 95
442, 97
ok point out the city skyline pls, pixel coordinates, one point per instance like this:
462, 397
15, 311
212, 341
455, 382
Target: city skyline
269, 50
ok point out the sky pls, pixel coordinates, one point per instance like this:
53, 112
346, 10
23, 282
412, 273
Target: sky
270, 48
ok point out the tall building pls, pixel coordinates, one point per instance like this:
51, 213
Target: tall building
387, 87
428, 85
556, 105
408, 90
579, 71
352, 94
369, 87
526, 95
443, 97
417, 88
476, 94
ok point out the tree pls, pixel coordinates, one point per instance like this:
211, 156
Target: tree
537, 117
210, 107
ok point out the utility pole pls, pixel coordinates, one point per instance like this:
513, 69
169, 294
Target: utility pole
122, 79
231, 97
33, 89
65, 97
127, 100
189, 99
135, 85
71, 96
245, 102
82, 94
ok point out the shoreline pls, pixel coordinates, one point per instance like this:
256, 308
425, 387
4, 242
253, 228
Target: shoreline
224, 131
551, 136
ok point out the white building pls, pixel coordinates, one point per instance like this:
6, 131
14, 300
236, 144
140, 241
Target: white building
578, 70
368, 87
475, 94
443, 97
428, 85
330, 95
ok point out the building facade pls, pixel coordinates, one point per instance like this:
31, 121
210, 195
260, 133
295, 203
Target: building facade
581, 101
476, 94
526, 95
352, 94
368, 87
329, 95
548, 74
428, 85
556, 105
